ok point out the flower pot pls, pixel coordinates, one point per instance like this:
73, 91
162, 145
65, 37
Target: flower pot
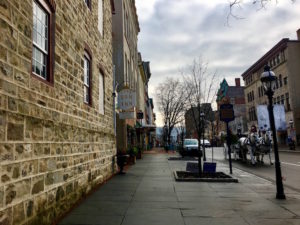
121, 161
131, 159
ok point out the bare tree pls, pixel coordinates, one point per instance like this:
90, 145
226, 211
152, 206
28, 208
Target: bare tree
181, 133
238, 4
171, 98
200, 85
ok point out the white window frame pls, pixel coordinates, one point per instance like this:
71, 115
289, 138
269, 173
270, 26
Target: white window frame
86, 77
45, 9
101, 93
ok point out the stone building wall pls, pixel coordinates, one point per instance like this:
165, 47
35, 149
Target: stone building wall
54, 148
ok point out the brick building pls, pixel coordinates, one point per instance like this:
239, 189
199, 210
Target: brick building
56, 136
283, 59
235, 96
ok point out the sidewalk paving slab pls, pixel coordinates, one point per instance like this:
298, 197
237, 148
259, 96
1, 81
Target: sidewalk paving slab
149, 195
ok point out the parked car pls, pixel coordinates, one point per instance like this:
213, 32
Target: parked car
190, 148
206, 143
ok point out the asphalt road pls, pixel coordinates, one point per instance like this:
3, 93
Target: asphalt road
290, 167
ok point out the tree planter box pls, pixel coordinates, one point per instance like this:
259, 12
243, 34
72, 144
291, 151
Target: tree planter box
206, 177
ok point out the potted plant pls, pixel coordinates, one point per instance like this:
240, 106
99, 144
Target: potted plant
121, 161
132, 152
139, 153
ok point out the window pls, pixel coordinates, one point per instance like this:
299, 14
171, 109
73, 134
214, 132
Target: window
88, 3
87, 78
287, 99
101, 93
285, 80
278, 99
252, 114
43, 37
282, 100
100, 16
280, 80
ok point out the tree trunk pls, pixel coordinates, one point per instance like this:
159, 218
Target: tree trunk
199, 155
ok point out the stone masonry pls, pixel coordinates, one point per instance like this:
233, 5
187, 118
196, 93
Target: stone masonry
54, 148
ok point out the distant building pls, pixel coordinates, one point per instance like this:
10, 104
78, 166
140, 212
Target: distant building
235, 96
284, 60
125, 58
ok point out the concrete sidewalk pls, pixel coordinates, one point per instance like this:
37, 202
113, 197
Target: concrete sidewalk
149, 195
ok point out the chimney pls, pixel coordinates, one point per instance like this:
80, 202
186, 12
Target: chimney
237, 82
298, 34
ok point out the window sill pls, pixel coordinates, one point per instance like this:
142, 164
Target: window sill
50, 83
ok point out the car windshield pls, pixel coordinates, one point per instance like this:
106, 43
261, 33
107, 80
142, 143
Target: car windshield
190, 142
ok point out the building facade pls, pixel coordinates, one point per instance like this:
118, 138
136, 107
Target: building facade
57, 139
235, 96
125, 57
283, 59
145, 125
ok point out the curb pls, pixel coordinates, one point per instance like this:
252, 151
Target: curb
290, 151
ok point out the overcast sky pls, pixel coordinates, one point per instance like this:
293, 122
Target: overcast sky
174, 32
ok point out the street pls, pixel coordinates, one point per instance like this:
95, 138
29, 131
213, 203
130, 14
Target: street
290, 167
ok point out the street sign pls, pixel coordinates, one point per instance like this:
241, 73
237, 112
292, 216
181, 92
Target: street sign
226, 113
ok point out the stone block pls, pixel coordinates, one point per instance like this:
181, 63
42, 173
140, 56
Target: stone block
15, 132
51, 197
8, 87
34, 129
47, 165
29, 168
1, 197
10, 172
22, 151
25, 43
17, 191
21, 77
6, 216
2, 126
54, 178
37, 185
5, 9
12, 104
29, 208
18, 214
9, 36
6, 71
41, 150
6, 152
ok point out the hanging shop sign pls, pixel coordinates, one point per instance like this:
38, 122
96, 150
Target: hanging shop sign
126, 99
127, 115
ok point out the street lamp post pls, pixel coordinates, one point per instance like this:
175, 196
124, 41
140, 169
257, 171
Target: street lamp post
268, 80
202, 115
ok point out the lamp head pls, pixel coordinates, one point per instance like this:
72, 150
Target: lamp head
268, 79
